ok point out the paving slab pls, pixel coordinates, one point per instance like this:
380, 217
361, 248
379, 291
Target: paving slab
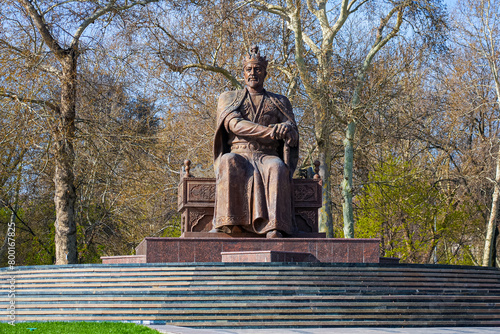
165, 329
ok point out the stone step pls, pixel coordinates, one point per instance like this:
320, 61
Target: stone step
268, 291
353, 276
277, 303
159, 315
251, 295
259, 322
346, 300
491, 312
269, 307
235, 282
217, 267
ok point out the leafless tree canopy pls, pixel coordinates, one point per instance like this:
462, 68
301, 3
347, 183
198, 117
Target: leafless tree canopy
102, 101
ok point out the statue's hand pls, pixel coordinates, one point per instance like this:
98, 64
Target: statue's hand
292, 138
280, 130
284, 131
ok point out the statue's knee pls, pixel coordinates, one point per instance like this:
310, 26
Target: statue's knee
232, 161
227, 159
277, 164
278, 167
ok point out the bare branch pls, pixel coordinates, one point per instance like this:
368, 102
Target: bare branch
49, 69
42, 28
344, 13
211, 68
32, 57
379, 43
292, 79
57, 5
310, 7
179, 43
357, 6
274, 9
296, 26
21, 99
10, 46
288, 16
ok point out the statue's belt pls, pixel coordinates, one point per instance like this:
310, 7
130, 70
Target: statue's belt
254, 147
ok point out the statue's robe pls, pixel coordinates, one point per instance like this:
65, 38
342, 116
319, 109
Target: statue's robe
253, 170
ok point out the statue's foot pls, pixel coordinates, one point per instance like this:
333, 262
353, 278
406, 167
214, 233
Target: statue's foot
216, 230
274, 234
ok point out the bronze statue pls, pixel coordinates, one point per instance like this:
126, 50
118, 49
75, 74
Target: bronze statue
255, 155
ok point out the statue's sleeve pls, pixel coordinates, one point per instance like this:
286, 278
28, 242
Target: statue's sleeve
243, 128
291, 120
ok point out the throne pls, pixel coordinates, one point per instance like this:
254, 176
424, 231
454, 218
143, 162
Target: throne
196, 197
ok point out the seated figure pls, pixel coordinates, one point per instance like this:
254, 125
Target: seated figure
255, 155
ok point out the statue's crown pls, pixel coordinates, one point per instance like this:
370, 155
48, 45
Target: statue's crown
254, 57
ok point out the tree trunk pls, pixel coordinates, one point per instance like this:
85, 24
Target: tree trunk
490, 229
347, 181
65, 196
325, 212
496, 248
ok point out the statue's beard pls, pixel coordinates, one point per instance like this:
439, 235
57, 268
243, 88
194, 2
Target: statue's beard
253, 82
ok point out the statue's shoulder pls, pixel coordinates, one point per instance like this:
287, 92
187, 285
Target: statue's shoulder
230, 97
282, 99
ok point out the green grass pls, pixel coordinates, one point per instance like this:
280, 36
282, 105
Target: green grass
75, 328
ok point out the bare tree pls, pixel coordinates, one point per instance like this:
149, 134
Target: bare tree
316, 25
478, 31
56, 30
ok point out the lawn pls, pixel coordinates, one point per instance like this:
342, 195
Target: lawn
75, 327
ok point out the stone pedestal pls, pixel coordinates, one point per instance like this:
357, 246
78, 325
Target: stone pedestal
196, 198
210, 249
196, 205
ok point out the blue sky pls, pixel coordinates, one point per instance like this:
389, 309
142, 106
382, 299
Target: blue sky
450, 3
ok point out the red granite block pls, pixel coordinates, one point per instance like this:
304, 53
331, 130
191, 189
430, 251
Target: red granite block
153, 250
339, 252
209, 250
164, 251
257, 256
232, 245
267, 256
278, 245
355, 252
260, 244
300, 247
310, 247
298, 257
323, 250
187, 251
371, 252
123, 259
210, 253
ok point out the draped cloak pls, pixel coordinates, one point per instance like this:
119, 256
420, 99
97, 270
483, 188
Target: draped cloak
253, 186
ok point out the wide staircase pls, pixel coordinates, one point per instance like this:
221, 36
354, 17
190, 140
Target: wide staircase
251, 295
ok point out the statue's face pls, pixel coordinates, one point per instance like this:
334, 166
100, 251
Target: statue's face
254, 76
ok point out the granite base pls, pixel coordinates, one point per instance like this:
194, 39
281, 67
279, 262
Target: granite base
123, 259
327, 250
268, 256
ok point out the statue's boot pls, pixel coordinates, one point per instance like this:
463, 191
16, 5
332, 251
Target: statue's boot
274, 234
216, 230
222, 229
